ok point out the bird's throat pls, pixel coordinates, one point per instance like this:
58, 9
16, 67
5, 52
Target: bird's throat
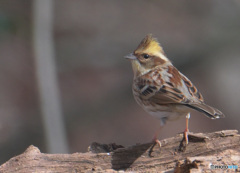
138, 69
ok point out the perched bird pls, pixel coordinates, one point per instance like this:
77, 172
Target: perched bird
161, 90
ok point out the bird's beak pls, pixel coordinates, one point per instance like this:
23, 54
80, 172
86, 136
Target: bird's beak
130, 56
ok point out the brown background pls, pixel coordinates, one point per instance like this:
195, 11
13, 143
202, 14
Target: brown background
91, 37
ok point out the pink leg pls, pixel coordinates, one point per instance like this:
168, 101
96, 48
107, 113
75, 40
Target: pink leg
187, 130
155, 137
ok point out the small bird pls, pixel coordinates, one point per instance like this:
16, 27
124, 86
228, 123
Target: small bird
163, 91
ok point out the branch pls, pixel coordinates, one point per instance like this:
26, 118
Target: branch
218, 148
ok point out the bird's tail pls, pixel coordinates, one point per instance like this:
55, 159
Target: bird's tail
209, 111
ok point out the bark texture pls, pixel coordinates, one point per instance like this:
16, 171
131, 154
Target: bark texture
219, 148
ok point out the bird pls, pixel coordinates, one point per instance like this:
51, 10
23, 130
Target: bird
161, 89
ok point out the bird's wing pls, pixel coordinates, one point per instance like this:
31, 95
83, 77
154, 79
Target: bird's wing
167, 89
177, 89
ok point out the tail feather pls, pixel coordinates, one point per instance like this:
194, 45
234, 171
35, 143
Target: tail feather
209, 111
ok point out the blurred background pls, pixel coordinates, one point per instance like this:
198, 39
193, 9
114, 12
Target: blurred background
92, 96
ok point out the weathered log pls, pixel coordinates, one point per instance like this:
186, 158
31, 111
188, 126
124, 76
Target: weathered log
218, 148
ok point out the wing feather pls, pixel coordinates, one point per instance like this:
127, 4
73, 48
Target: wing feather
151, 87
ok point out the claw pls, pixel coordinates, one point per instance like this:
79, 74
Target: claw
158, 142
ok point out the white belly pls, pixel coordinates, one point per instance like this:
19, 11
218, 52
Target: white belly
165, 113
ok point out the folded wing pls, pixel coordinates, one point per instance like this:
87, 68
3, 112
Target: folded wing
161, 92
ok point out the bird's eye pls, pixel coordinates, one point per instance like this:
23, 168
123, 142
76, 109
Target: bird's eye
146, 56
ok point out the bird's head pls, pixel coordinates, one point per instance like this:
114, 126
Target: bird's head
148, 55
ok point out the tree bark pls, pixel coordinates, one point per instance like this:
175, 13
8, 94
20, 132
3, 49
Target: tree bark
219, 148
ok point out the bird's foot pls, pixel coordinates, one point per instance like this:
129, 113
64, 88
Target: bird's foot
186, 131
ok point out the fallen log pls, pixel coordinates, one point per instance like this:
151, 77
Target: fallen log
205, 152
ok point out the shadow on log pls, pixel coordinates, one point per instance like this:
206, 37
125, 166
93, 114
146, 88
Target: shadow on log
218, 148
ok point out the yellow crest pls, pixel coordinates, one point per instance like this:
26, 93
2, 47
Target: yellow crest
149, 45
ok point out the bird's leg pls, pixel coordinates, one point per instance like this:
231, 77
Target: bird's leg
155, 137
187, 130
155, 141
